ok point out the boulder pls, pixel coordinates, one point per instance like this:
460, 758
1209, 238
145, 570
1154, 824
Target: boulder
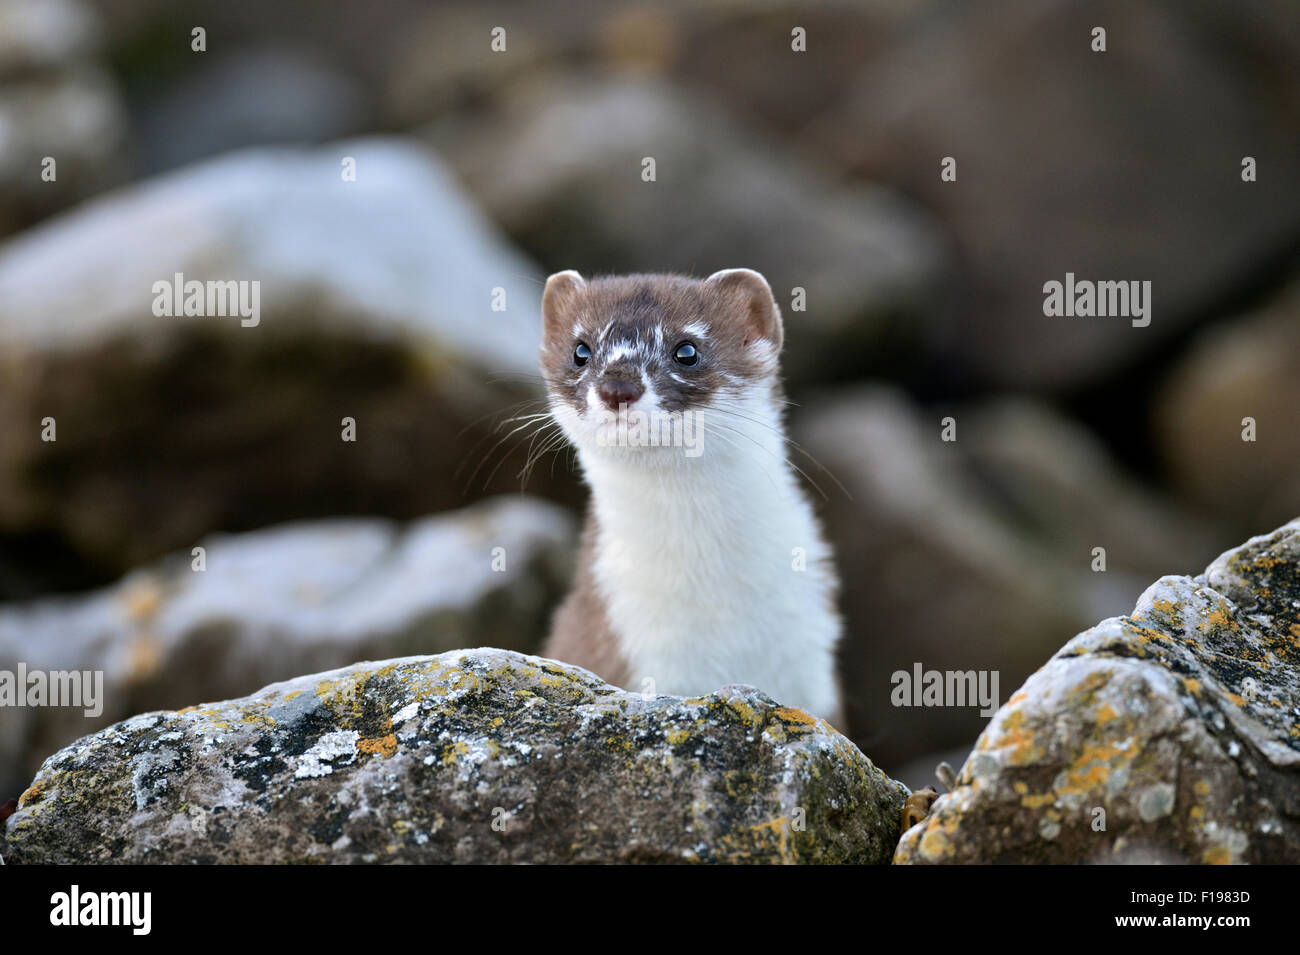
290, 599
559, 164
1170, 734
220, 105
1245, 368
56, 102
375, 304
1092, 163
478, 756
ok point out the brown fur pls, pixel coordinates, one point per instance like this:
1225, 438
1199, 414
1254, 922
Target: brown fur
580, 632
736, 310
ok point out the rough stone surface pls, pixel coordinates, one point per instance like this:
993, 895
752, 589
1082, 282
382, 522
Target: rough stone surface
413, 760
376, 302
284, 601
1177, 726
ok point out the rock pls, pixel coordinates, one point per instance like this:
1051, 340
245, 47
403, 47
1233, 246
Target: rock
221, 106
989, 537
1168, 734
1248, 368
481, 756
560, 163
1052, 478
740, 52
56, 102
283, 601
376, 304
1070, 160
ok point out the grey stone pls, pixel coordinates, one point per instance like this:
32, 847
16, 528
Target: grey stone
1174, 727
472, 756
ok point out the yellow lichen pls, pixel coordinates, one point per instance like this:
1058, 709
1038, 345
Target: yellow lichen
382, 745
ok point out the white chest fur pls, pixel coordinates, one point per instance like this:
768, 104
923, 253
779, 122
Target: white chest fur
713, 571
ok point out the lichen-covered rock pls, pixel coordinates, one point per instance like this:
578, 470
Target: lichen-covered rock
470, 756
272, 604
1171, 734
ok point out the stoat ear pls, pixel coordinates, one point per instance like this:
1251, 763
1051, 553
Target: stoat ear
748, 293
562, 291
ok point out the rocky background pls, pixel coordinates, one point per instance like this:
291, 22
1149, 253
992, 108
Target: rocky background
478, 170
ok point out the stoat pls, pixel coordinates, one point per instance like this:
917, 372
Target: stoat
702, 562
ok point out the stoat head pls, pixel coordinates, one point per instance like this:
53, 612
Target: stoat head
628, 357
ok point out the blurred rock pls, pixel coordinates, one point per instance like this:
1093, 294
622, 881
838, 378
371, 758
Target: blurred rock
1050, 479
740, 51
376, 304
278, 602
560, 166
55, 103
38, 35
1097, 164
1174, 726
1249, 368
970, 555
478, 756
266, 95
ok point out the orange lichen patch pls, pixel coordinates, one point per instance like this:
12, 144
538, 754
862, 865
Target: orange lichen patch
1018, 696
1092, 767
1017, 737
1192, 685
1197, 813
1021, 788
34, 793
1105, 713
1219, 618
188, 709
1145, 634
779, 829
1217, 855
1035, 802
1201, 787
788, 714
677, 735
458, 748
1235, 698
383, 745
1164, 607
1265, 562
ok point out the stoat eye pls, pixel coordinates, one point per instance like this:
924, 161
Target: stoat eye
686, 354
581, 354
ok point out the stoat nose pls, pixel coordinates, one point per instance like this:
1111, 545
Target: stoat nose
619, 391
